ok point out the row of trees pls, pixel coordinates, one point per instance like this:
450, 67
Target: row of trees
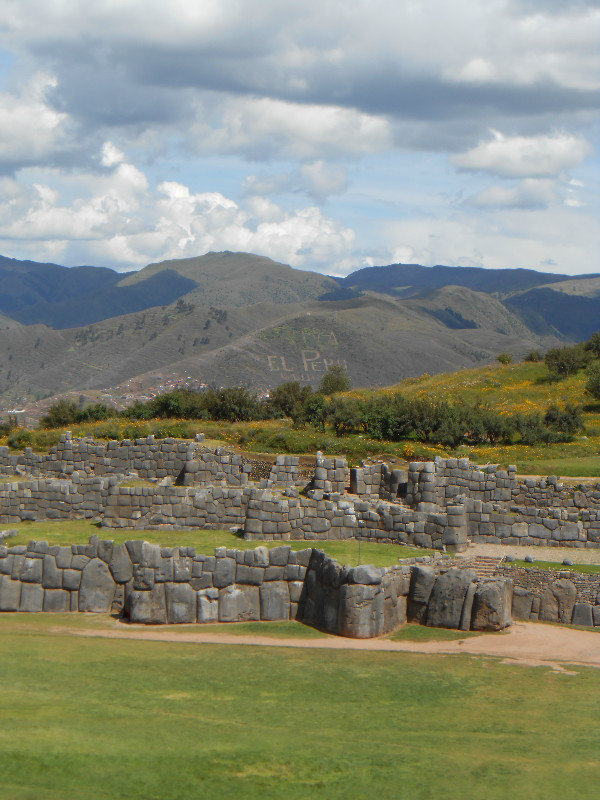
389, 417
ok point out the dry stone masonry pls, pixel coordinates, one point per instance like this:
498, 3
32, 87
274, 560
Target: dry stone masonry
437, 504
150, 584
148, 483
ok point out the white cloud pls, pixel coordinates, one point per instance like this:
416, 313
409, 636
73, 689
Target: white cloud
121, 219
318, 179
530, 193
263, 128
111, 155
555, 240
525, 156
30, 130
323, 180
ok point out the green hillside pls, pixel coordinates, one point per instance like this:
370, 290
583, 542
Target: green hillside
514, 388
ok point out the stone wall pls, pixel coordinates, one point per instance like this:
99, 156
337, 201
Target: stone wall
376, 479
434, 504
147, 457
497, 523
42, 498
567, 596
215, 467
156, 585
273, 515
285, 471
331, 474
447, 478
175, 506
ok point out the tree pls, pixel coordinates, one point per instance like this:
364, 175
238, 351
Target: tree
593, 344
289, 399
335, 380
533, 355
593, 382
62, 413
346, 416
567, 420
564, 361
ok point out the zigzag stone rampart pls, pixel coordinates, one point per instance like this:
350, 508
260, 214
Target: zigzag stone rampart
150, 584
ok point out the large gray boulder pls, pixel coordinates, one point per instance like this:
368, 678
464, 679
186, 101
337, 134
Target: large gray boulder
557, 601
421, 583
31, 570
274, 600
32, 597
97, 588
10, 594
148, 608
57, 600
224, 572
367, 574
181, 603
582, 615
395, 590
120, 564
361, 611
522, 603
52, 576
492, 604
447, 597
239, 604
467, 609
207, 607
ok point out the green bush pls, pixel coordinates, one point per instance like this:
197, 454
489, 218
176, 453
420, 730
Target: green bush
335, 380
593, 344
533, 355
592, 385
20, 438
504, 358
567, 420
564, 361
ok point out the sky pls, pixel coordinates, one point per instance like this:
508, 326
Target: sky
327, 135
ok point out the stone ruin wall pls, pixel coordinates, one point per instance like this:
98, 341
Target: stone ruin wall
432, 504
150, 584
567, 596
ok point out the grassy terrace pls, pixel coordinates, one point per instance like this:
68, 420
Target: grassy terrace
79, 532
96, 718
587, 569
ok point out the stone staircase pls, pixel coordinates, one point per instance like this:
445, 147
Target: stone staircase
484, 566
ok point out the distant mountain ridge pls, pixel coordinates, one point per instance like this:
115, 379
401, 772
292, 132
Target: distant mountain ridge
231, 318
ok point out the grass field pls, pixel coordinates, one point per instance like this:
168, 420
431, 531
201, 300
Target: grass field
92, 718
79, 531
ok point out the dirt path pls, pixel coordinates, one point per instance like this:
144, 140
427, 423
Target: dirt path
525, 643
576, 554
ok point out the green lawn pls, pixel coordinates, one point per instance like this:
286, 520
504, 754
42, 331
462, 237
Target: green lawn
79, 532
97, 719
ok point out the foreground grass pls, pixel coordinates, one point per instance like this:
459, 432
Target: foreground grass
97, 718
79, 531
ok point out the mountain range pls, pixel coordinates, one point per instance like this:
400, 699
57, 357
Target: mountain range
238, 318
